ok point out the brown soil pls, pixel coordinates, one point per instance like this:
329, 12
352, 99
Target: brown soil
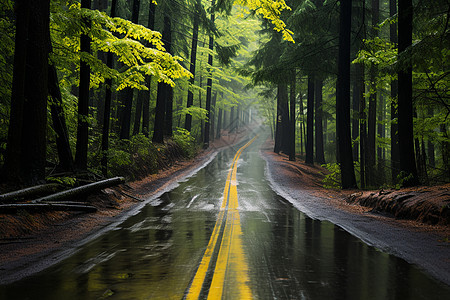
26, 233
425, 208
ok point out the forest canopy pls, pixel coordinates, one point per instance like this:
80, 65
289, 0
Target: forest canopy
109, 87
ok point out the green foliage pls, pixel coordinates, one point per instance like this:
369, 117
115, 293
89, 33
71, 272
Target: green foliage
133, 158
332, 180
65, 180
186, 142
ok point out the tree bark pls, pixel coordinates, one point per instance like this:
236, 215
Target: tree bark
395, 150
405, 105
12, 165
59, 122
34, 135
83, 101
148, 79
372, 117
161, 126
107, 108
309, 159
209, 82
190, 99
81, 190
292, 95
128, 93
344, 140
320, 155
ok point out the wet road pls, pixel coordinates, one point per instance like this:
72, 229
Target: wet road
224, 234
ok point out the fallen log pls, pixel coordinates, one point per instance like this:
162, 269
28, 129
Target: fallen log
12, 208
30, 192
82, 190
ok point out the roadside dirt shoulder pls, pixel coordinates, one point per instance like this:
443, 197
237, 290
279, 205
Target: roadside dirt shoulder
420, 208
33, 238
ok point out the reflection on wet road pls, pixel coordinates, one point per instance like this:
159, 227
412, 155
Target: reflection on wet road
265, 249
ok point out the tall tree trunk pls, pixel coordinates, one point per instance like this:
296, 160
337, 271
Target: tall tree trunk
285, 123
355, 111
344, 140
128, 93
445, 150
162, 123
212, 116
372, 117
219, 124
15, 129
405, 105
292, 95
310, 122
125, 113
148, 79
209, 82
395, 150
381, 133
190, 99
83, 101
107, 108
320, 155
430, 145
59, 121
34, 136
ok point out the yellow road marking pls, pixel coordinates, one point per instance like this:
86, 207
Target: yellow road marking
230, 261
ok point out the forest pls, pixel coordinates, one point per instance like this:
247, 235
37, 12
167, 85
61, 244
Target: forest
102, 88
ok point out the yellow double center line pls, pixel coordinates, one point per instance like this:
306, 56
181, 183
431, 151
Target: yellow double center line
230, 265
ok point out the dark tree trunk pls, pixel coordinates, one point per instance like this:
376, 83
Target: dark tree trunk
107, 108
13, 148
309, 159
163, 123
231, 124
190, 99
445, 150
83, 101
405, 105
125, 113
127, 100
59, 121
212, 116
209, 83
148, 79
320, 155
34, 135
158, 132
138, 113
372, 117
355, 111
344, 140
292, 95
381, 133
285, 124
395, 150
168, 119
362, 129
219, 124
430, 145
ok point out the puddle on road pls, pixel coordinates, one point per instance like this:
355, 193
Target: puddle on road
154, 254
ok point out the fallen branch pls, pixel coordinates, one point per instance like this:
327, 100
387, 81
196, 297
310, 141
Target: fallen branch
30, 192
12, 208
82, 190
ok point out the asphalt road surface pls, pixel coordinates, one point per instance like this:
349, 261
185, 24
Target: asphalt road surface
224, 233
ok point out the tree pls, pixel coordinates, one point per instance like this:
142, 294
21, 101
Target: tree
345, 159
83, 100
395, 155
405, 105
320, 156
209, 82
309, 159
29, 95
